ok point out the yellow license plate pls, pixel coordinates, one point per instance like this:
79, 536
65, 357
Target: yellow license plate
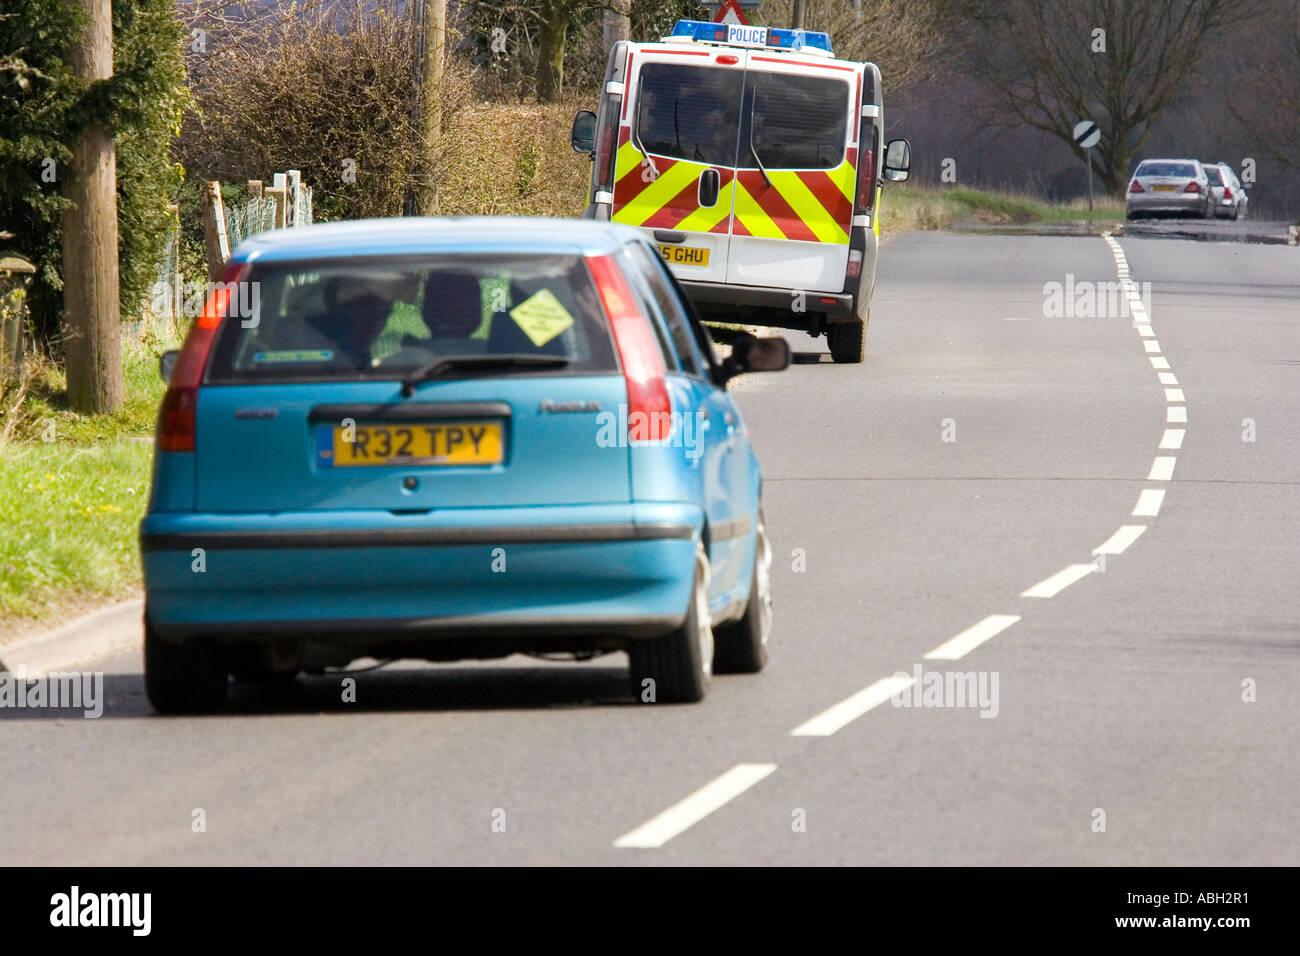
444, 443
685, 255
1163, 189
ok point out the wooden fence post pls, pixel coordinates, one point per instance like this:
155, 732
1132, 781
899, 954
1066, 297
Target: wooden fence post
293, 182
214, 231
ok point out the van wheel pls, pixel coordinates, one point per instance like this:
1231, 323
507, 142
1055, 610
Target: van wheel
679, 664
847, 342
182, 678
741, 647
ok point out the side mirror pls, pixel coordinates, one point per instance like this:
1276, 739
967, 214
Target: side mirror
583, 136
167, 364
750, 354
898, 160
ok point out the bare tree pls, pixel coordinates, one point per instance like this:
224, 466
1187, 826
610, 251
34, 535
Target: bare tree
1268, 102
1052, 63
908, 39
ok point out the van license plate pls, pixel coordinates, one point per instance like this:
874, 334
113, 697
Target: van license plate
443, 443
685, 255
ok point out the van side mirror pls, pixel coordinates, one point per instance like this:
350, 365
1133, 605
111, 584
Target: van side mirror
751, 354
583, 136
167, 364
898, 160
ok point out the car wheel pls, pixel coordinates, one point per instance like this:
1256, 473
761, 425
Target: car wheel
679, 664
182, 678
741, 647
847, 342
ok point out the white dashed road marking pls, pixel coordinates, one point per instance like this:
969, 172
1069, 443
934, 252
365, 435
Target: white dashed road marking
1058, 582
851, 708
1149, 503
680, 817
971, 638
1118, 542
1176, 414
1162, 469
1173, 438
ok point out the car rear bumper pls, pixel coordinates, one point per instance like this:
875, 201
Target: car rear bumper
617, 571
1166, 202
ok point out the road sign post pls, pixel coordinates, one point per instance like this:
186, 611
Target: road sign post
1087, 134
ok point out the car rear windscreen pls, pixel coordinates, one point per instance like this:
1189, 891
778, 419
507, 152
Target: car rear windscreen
799, 121
382, 318
1214, 175
689, 112
1183, 170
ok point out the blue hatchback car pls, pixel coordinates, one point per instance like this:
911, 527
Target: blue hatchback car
447, 439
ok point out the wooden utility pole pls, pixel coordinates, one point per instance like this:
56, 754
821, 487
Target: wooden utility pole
431, 41
796, 20
92, 316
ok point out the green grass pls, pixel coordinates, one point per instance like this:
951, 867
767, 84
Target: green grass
72, 492
912, 207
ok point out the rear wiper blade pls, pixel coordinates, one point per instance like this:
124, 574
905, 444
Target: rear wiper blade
753, 103
429, 369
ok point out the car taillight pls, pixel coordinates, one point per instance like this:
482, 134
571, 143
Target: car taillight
176, 415
649, 410
1227, 192
1193, 187
866, 180
1136, 187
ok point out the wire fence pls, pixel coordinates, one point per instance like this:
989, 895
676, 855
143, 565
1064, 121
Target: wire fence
174, 297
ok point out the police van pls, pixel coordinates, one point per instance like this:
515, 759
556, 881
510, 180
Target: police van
752, 157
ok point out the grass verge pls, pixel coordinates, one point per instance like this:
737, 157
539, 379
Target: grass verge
906, 208
73, 488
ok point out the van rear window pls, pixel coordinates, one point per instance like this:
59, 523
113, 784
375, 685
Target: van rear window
800, 122
379, 318
689, 112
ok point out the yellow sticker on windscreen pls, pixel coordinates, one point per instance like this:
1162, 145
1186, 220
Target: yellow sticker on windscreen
542, 317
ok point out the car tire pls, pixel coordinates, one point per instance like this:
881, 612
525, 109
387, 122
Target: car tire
741, 647
847, 342
679, 664
182, 678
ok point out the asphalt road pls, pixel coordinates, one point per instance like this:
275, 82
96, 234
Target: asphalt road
1122, 693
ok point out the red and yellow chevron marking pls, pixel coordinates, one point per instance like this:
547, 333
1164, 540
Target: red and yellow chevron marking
809, 205
666, 195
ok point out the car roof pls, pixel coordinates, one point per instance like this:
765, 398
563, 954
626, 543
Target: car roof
415, 235
1195, 162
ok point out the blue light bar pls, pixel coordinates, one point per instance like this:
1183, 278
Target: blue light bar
777, 39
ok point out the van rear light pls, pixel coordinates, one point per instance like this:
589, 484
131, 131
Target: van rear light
855, 263
1193, 187
1136, 187
176, 415
649, 410
866, 180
